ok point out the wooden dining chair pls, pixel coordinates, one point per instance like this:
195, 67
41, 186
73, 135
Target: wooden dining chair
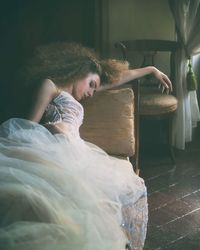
153, 104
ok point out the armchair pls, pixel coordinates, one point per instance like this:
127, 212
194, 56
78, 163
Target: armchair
153, 105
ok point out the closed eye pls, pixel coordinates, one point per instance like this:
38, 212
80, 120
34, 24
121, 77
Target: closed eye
92, 85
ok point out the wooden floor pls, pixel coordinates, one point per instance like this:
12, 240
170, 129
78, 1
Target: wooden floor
174, 198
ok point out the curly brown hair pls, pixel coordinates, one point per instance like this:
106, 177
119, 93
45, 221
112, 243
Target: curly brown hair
65, 63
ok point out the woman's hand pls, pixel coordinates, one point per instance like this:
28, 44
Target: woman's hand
165, 83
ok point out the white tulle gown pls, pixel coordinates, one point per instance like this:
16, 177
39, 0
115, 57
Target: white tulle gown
59, 192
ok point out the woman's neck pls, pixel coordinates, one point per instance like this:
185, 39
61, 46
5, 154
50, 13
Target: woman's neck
68, 88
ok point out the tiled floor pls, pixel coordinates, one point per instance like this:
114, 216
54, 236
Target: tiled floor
174, 199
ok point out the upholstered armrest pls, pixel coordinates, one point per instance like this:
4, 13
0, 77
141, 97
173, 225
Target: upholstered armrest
108, 121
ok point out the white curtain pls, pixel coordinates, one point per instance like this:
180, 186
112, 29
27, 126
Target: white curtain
186, 14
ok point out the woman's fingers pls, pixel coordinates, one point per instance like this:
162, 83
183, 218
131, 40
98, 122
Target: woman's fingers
163, 88
165, 83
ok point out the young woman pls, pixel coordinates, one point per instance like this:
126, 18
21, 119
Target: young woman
57, 191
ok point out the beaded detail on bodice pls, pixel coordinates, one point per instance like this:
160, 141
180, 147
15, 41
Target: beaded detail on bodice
64, 108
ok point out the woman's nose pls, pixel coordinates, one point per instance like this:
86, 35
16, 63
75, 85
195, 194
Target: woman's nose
90, 93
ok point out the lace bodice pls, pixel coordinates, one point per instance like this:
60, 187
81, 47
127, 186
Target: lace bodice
64, 108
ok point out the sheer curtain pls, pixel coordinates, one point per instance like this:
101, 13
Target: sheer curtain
186, 14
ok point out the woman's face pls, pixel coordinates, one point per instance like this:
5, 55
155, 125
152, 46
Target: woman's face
86, 87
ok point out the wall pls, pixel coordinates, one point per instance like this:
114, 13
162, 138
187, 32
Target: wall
137, 19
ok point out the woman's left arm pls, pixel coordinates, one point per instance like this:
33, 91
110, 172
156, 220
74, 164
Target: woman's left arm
132, 74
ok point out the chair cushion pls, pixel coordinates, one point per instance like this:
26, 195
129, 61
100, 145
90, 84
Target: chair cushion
108, 121
157, 103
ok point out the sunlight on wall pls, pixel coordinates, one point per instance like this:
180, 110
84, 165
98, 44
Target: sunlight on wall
196, 67
196, 64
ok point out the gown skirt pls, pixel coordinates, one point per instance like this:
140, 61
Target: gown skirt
59, 192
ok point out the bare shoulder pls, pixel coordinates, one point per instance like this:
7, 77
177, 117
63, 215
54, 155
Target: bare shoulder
44, 95
49, 87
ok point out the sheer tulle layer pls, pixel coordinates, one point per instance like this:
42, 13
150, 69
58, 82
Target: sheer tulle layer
57, 192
